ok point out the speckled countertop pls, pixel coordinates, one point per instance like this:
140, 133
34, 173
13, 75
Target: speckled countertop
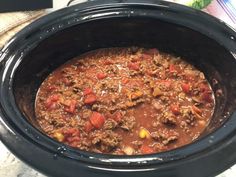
10, 166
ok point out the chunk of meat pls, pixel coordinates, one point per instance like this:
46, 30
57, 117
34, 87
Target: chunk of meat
165, 136
168, 119
184, 126
129, 104
137, 143
156, 135
127, 123
118, 115
107, 140
67, 81
101, 76
157, 105
83, 145
170, 139
110, 124
189, 117
135, 94
160, 147
72, 107
90, 98
86, 113
164, 85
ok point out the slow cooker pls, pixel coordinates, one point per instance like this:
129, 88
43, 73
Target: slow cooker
28, 58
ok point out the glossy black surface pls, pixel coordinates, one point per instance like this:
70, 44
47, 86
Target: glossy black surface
23, 5
52, 40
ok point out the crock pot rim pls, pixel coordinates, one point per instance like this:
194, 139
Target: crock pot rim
230, 130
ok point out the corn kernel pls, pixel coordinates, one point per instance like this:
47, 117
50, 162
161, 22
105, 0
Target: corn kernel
157, 92
59, 136
144, 133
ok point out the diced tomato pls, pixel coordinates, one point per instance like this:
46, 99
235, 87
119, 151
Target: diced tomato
172, 68
133, 66
90, 98
117, 116
101, 76
175, 109
51, 100
88, 126
72, 107
124, 80
97, 120
185, 87
207, 96
87, 91
145, 149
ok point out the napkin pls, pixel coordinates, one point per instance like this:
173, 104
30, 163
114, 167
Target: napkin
11, 23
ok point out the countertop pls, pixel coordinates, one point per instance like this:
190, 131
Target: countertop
10, 166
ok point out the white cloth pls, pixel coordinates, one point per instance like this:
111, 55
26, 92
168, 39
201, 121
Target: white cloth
11, 23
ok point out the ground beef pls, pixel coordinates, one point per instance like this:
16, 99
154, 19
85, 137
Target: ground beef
127, 123
110, 124
189, 117
168, 119
106, 140
165, 136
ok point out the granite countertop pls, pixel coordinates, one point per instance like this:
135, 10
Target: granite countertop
10, 166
